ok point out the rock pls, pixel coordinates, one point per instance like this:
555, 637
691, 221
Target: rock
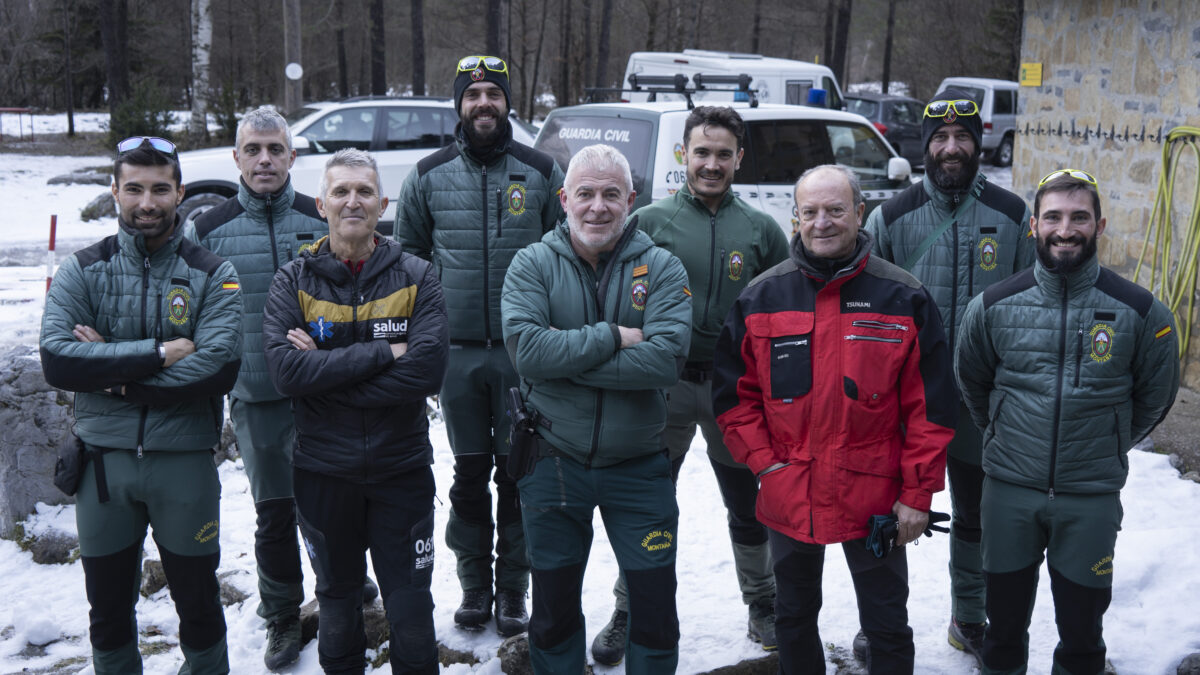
230, 594
448, 656
227, 446
84, 177
154, 579
102, 206
309, 620
35, 420
514, 655
1193, 476
53, 548
766, 665
376, 625
1189, 665
1174, 460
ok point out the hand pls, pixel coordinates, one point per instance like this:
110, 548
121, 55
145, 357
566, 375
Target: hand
398, 349
177, 349
86, 334
629, 336
300, 339
910, 523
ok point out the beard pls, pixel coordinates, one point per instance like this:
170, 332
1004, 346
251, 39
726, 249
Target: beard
488, 138
593, 239
1071, 261
152, 230
951, 181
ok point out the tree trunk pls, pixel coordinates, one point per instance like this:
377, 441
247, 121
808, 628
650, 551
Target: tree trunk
113, 16
201, 50
841, 40
537, 65
378, 50
292, 93
830, 12
340, 38
418, 47
887, 45
563, 91
493, 27
68, 10
651, 26
602, 45
756, 33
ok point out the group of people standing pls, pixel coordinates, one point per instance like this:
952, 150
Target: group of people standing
575, 347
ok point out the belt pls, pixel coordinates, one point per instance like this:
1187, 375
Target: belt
697, 372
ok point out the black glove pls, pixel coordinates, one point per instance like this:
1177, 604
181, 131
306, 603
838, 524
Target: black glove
936, 517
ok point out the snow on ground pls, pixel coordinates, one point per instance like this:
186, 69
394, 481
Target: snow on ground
13, 125
1150, 627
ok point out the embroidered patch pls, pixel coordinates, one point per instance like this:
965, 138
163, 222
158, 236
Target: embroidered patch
1163, 332
735, 265
320, 329
657, 540
951, 115
230, 286
207, 532
516, 199
679, 155
641, 271
178, 305
987, 254
477, 74
1102, 342
1104, 567
687, 291
639, 295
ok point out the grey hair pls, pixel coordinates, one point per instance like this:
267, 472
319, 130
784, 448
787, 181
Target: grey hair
849, 175
263, 119
599, 157
352, 157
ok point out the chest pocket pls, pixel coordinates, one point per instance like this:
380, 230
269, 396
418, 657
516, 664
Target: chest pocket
787, 345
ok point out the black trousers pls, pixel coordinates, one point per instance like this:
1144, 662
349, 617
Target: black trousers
340, 520
881, 586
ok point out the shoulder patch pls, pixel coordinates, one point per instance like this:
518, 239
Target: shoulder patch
217, 216
431, 162
999, 199
1125, 291
912, 198
199, 258
101, 251
540, 161
882, 269
302, 203
1018, 282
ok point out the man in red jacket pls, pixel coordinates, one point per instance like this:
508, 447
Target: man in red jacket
833, 384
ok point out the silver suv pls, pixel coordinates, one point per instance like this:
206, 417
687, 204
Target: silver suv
397, 131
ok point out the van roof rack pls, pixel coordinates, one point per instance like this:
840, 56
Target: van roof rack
678, 84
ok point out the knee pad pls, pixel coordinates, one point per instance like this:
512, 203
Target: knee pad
556, 605
276, 546
653, 620
508, 500
111, 582
469, 494
197, 596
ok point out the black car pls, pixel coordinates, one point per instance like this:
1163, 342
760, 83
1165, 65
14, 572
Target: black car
898, 118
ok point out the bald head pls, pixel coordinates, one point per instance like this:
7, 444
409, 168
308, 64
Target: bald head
829, 206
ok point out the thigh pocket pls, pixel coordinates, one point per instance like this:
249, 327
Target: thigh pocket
421, 540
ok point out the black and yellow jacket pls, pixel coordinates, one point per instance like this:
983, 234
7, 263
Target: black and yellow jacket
360, 413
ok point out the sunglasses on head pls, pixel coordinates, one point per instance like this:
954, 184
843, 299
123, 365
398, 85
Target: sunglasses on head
951, 110
134, 142
492, 63
1073, 173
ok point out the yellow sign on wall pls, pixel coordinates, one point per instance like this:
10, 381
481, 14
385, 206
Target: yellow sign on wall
1031, 74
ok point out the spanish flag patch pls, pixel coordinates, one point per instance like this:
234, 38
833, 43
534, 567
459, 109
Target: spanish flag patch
230, 286
687, 291
641, 271
1165, 330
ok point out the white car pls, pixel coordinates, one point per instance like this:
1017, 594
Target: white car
782, 141
397, 131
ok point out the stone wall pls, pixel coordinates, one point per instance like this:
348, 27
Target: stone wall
1117, 76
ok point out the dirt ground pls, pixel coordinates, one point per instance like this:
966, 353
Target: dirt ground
1180, 432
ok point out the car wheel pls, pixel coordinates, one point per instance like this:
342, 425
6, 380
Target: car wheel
193, 206
1003, 155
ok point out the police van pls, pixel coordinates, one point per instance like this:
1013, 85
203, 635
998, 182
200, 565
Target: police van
782, 141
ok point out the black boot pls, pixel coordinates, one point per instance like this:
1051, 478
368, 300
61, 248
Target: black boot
609, 646
511, 617
475, 610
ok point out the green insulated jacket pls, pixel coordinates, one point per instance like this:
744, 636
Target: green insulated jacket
136, 301
259, 234
989, 241
721, 252
470, 217
603, 404
1064, 374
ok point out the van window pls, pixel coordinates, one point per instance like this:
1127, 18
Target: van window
348, 128
779, 151
860, 149
975, 93
797, 91
1005, 103
413, 128
564, 135
832, 100
862, 106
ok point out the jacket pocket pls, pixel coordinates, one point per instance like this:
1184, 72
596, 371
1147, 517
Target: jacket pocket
783, 497
788, 339
994, 406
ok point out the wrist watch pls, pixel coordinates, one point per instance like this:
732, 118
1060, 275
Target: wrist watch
162, 353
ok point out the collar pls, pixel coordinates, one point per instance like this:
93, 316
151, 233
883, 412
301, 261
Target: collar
1053, 283
257, 204
133, 242
948, 201
685, 193
486, 155
826, 270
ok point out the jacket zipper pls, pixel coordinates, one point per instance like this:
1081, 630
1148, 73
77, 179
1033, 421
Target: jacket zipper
355, 299
499, 214
487, 319
872, 338
595, 445
1079, 357
867, 323
1062, 358
954, 282
712, 272
720, 280
145, 333
271, 234
971, 270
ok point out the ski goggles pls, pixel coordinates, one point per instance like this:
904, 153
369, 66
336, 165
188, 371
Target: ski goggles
1073, 173
951, 110
492, 63
134, 142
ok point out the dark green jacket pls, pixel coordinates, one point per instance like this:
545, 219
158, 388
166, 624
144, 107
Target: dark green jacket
470, 217
258, 234
604, 404
1064, 374
135, 301
720, 252
989, 241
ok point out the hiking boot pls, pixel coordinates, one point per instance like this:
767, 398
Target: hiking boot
609, 646
370, 591
511, 617
860, 646
761, 625
283, 643
475, 610
967, 637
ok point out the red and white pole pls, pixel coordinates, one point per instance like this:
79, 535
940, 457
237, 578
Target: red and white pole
50, 252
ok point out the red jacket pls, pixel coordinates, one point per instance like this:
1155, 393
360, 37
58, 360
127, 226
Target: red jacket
848, 382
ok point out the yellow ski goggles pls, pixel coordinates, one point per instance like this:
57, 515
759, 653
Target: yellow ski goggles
1073, 173
493, 63
952, 110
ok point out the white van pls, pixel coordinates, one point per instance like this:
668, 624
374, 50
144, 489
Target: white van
997, 101
775, 80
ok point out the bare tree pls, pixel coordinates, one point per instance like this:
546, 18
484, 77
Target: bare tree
841, 39
602, 45
887, 45
418, 47
378, 50
537, 65
756, 32
292, 95
493, 27
340, 46
563, 93
202, 31
113, 17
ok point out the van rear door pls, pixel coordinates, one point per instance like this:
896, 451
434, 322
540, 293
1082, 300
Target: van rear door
565, 133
